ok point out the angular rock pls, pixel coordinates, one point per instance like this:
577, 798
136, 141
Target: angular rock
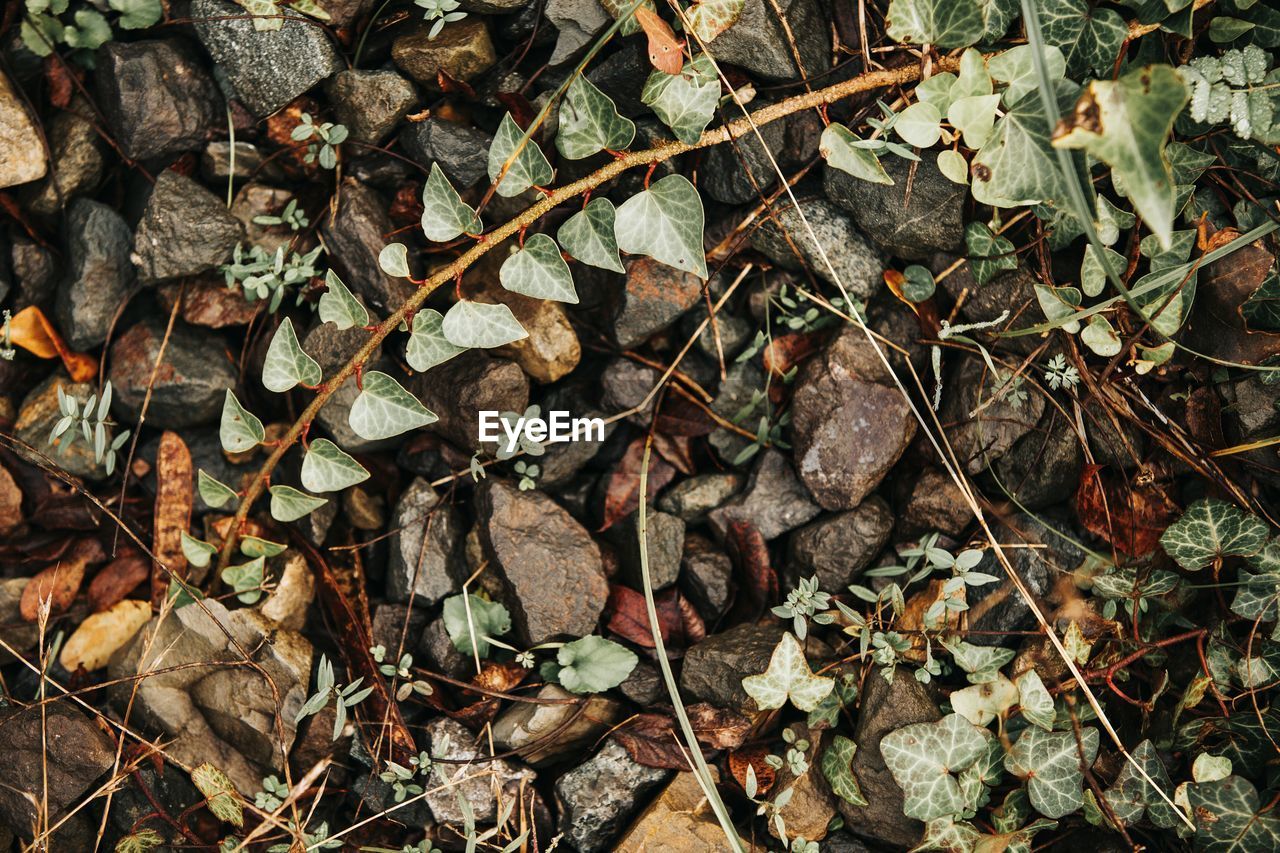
99, 277
461, 151
577, 23
935, 503
693, 498
190, 385
20, 634
680, 820
355, 237
740, 171
810, 806
856, 263
654, 297
665, 540
707, 574
552, 350
599, 796
458, 390
714, 668
1044, 466
76, 150
34, 272
850, 424
920, 214
644, 685
838, 548
157, 97
184, 230
774, 501
625, 385
426, 547
550, 569
1005, 417
39, 414
442, 653
462, 50
450, 740
208, 302
242, 161
287, 605
267, 68
736, 391
22, 154
370, 103
758, 43
1011, 293
546, 734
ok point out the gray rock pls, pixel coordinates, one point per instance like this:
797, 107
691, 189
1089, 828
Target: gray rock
458, 390
578, 22
458, 775
550, 568
442, 653
241, 161
370, 103
34, 272
843, 842
546, 733
1010, 293
20, 634
625, 386
775, 500
850, 424
426, 547
22, 152
713, 668
856, 262
739, 171
267, 68
621, 76
809, 808
838, 548
644, 685
982, 439
99, 277
462, 50
1044, 466
355, 236
725, 338
190, 386
1125, 448
37, 417
693, 498
599, 797
934, 503
921, 213
1253, 416
735, 393
461, 151
185, 230
654, 297
757, 42
77, 161
158, 99
707, 576
665, 539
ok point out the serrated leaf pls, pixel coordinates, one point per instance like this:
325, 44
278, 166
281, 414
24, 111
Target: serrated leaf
685, 102
593, 664
394, 260
213, 492
837, 769
220, 794
197, 552
538, 270
1050, 763
590, 123
338, 305
285, 364
289, 504
837, 148
427, 345
1229, 818
526, 166
788, 677
444, 214
385, 409
328, 468
1035, 700
709, 18
589, 235
240, 429
946, 23
489, 619
665, 222
1212, 529
922, 758
481, 325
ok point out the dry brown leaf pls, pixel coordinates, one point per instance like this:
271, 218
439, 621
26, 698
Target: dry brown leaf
174, 500
116, 580
32, 331
60, 582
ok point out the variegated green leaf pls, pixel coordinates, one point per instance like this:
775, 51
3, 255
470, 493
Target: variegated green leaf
328, 468
922, 758
838, 147
539, 271
289, 504
339, 306
1050, 763
427, 345
213, 492
788, 677
837, 769
590, 123
481, 325
385, 409
240, 429
665, 222
685, 102
1211, 529
1034, 698
709, 18
220, 794
589, 235
197, 552
525, 164
444, 214
286, 365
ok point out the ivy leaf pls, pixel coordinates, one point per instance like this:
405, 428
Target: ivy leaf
1100, 336
289, 504
665, 222
339, 306
240, 429
427, 345
838, 148
328, 468
982, 703
594, 664
1016, 68
945, 23
488, 619
1258, 596
1034, 698
922, 757
528, 165
1125, 123
196, 551
685, 102
286, 365
1090, 37
255, 546
220, 795
589, 235
136, 14
953, 166
918, 124
709, 18
989, 253
538, 270
1060, 305
1017, 167
949, 835
1228, 817
1093, 277
1131, 795
140, 841
975, 117
213, 492
385, 409
1050, 762
788, 676
590, 123
982, 663
394, 260
246, 580
481, 325
1211, 529
444, 214
838, 771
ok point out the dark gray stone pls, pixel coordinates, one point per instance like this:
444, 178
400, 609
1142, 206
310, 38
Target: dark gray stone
839, 547
736, 393
984, 438
935, 503
426, 549
921, 213
190, 385
693, 498
857, 264
34, 271
774, 502
644, 685
185, 230
355, 236
713, 669
739, 171
442, 653
77, 161
99, 278
578, 22
461, 151
398, 627
599, 797
625, 385
758, 43
456, 776
665, 539
707, 576
1011, 293
370, 103
458, 390
654, 297
1044, 466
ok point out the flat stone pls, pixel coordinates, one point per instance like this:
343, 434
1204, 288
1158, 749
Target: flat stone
426, 547
77, 161
774, 501
856, 263
680, 820
450, 740
355, 236
693, 498
37, 417
190, 385
99, 277
548, 733
935, 503
839, 547
462, 50
654, 297
707, 576
599, 796
713, 669
185, 230
458, 390
370, 103
920, 214
665, 540
461, 151
758, 43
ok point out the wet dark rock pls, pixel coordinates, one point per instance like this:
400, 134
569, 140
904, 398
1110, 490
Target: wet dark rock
458, 775
578, 22
757, 42
857, 264
99, 277
774, 501
355, 236
1044, 466
740, 171
839, 547
935, 503
242, 161
461, 151
37, 417
850, 424
550, 568
921, 213
654, 297
707, 575
190, 385
665, 539
426, 549
442, 653
1004, 417
370, 103
547, 733
22, 152
693, 498
598, 798
267, 68
458, 390
462, 50
713, 669
184, 230
77, 161
158, 99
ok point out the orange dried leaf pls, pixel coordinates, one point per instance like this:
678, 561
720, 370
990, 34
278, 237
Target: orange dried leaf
665, 52
32, 331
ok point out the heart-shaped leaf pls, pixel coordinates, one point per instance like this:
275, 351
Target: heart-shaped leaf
339, 306
838, 148
1258, 596
444, 214
788, 677
685, 102
289, 504
196, 551
1229, 817
526, 166
1131, 796
982, 703
394, 260
593, 664
212, 492
709, 18
481, 325
1211, 529
256, 546
1034, 698
1100, 336
982, 663
836, 768
945, 23
922, 758
286, 365
539, 271
590, 123
974, 116
328, 468
1016, 68
589, 235
427, 345
384, 409
665, 222
1050, 762
470, 616
240, 429
918, 124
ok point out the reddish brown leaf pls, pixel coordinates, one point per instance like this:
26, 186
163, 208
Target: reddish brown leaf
680, 416
786, 351
1130, 517
406, 207
518, 105
61, 79
695, 629
651, 740
750, 554
678, 450
174, 499
665, 52
753, 757
1217, 326
622, 495
116, 580
60, 582
628, 617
